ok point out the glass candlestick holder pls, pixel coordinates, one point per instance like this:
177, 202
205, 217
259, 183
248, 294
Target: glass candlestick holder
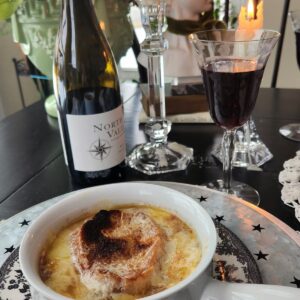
249, 150
158, 155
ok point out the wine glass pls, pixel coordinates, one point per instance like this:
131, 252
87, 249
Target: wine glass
292, 131
232, 63
158, 155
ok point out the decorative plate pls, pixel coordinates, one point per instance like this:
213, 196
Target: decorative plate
232, 262
252, 237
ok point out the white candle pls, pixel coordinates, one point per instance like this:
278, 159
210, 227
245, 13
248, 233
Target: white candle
246, 17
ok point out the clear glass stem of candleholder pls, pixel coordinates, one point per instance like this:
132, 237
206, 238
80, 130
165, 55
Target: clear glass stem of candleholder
157, 126
250, 151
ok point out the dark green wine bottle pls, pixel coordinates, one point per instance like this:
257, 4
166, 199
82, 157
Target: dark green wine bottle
86, 86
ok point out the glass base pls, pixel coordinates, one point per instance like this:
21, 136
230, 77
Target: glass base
259, 155
249, 150
153, 159
291, 131
239, 189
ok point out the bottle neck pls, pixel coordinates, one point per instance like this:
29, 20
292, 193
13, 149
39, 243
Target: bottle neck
82, 12
78, 19
79, 5
83, 50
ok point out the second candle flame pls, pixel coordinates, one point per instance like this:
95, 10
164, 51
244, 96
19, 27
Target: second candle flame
250, 10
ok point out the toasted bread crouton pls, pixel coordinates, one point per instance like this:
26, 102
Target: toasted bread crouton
117, 251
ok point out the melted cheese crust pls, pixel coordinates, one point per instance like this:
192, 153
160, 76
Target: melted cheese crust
182, 254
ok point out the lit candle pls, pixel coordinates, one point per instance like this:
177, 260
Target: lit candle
251, 11
102, 25
251, 17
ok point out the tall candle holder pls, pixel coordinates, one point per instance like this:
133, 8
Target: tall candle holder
158, 155
250, 151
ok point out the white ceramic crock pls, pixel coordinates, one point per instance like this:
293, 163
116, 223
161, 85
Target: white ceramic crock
195, 287
107, 197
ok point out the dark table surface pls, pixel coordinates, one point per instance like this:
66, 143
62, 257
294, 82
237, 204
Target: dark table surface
33, 169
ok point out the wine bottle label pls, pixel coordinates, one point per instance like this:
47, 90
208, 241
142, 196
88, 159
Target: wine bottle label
97, 141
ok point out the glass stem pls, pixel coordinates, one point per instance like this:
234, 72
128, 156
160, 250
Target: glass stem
157, 126
156, 86
227, 149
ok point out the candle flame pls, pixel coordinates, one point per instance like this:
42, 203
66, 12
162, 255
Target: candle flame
251, 18
250, 10
102, 25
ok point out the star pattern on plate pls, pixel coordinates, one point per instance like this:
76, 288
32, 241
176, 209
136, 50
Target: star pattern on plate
24, 223
296, 281
257, 228
10, 249
219, 218
261, 255
255, 225
202, 199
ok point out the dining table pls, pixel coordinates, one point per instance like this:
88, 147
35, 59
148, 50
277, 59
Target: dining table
254, 243
33, 168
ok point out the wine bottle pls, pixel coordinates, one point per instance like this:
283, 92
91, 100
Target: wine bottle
86, 86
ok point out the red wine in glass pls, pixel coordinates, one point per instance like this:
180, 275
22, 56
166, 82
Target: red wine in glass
232, 64
232, 87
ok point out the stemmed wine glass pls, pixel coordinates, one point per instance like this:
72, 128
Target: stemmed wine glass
232, 63
292, 131
158, 155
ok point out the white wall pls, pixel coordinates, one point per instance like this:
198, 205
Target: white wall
2, 114
289, 74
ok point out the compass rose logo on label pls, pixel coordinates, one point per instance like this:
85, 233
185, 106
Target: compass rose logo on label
100, 149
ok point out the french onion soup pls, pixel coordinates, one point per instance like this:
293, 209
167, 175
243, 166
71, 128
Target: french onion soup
126, 253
